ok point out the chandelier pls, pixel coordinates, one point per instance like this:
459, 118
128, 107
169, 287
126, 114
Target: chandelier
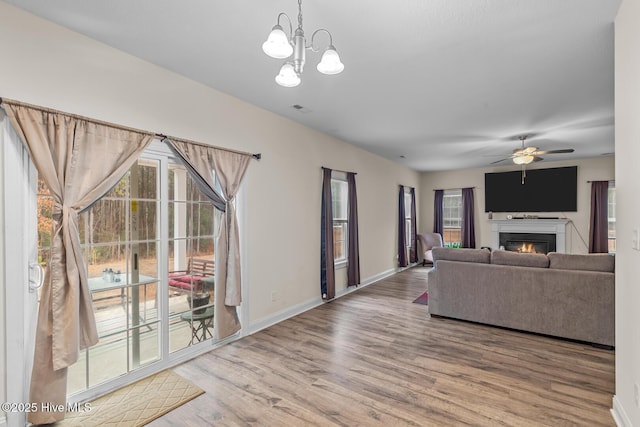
281, 46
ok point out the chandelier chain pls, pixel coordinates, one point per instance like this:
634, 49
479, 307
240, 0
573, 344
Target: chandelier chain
300, 14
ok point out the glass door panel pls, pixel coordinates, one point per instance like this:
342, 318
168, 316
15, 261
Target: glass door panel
119, 234
191, 262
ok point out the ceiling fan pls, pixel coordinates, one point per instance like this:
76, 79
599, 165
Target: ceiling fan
525, 155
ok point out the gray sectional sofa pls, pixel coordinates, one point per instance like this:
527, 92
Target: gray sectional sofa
563, 295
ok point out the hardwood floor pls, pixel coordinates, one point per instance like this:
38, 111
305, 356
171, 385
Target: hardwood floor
375, 358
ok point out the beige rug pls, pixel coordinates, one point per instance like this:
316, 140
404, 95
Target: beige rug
137, 404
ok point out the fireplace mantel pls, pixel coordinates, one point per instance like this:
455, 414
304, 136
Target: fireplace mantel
533, 225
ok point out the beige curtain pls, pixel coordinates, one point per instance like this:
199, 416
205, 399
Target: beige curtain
229, 168
80, 161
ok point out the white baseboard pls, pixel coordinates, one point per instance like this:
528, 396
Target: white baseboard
382, 275
285, 314
619, 415
297, 309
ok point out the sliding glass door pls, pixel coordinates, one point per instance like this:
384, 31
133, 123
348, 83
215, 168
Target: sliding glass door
148, 246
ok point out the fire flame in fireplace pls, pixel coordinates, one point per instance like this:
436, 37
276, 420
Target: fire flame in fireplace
527, 248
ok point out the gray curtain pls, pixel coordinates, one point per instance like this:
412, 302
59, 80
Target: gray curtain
327, 269
230, 168
402, 232
438, 212
413, 254
353, 255
80, 161
468, 220
599, 227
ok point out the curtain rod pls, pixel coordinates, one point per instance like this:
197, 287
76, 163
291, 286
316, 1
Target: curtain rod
338, 170
256, 156
75, 116
447, 189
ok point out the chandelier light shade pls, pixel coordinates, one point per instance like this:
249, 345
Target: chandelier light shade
330, 63
277, 45
288, 76
281, 46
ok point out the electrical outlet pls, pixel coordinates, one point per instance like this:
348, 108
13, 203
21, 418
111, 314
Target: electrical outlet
636, 394
635, 239
274, 296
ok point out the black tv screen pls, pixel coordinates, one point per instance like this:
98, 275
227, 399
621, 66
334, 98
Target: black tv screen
544, 190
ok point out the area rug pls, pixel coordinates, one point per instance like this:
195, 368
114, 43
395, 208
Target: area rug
136, 404
422, 299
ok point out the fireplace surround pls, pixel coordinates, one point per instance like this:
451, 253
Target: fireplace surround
539, 229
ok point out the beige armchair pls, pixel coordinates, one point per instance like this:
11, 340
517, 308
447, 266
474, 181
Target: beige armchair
428, 241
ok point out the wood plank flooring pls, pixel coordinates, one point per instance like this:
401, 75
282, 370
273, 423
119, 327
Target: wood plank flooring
373, 358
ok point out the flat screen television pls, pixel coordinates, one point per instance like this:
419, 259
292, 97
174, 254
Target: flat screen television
544, 190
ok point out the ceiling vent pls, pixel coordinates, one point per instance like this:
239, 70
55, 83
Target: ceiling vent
301, 108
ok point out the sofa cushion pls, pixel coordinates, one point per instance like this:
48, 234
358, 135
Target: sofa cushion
587, 262
519, 259
482, 256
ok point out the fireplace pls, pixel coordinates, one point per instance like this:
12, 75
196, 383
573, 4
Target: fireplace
534, 229
538, 243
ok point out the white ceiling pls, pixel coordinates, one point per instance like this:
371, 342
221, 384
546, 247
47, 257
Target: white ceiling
431, 84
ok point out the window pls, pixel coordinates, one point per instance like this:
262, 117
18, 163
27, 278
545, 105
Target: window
340, 198
611, 217
452, 217
407, 219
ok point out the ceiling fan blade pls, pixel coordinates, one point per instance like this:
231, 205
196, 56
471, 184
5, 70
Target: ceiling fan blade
501, 160
505, 155
537, 159
567, 150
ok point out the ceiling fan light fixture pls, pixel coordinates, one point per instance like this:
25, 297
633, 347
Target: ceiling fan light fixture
525, 155
523, 159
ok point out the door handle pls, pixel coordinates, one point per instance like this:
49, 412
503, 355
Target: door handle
36, 276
